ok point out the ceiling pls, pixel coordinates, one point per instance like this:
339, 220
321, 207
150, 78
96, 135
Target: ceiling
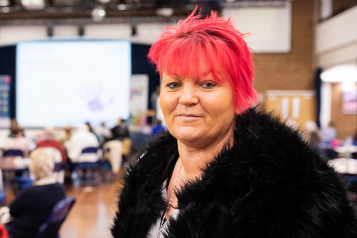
56, 9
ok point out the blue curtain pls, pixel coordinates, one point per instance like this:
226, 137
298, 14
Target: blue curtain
318, 83
8, 67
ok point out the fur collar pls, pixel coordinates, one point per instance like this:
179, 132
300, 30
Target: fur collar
269, 184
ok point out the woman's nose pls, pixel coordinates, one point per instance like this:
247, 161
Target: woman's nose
188, 95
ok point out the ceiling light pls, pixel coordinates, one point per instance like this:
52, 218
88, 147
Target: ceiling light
340, 73
165, 12
347, 86
5, 9
104, 1
4, 3
98, 14
122, 7
33, 4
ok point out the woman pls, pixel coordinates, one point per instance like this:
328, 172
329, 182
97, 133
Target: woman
224, 170
33, 205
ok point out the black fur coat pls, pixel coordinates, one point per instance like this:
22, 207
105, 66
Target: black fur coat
269, 184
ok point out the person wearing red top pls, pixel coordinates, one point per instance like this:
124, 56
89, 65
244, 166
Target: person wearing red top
51, 142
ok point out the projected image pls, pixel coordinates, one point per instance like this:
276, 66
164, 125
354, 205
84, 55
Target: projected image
93, 97
69, 83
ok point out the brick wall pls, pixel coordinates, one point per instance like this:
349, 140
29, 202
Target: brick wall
346, 124
294, 70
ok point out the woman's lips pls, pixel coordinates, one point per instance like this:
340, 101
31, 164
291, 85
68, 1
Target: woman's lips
188, 117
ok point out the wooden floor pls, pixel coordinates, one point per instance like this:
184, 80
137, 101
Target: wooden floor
93, 212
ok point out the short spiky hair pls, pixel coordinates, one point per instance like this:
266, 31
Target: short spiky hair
212, 44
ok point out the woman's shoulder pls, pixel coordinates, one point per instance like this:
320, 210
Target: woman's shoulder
263, 134
158, 150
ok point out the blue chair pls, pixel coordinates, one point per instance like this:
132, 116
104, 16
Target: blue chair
90, 150
2, 197
23, 182
13, 152
88, 177
59, 212
58, 167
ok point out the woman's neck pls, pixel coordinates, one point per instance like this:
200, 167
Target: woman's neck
196, 158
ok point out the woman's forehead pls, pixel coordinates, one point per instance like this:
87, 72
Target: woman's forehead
204, 74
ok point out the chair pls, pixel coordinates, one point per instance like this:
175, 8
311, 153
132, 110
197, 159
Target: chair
88, 161
89, 154
13, 152
58, 214
2, 189
23, 182
330, 153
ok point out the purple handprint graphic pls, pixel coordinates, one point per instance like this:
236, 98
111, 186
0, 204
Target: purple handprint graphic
93, 95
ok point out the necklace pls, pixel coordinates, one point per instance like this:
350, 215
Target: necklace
168, 207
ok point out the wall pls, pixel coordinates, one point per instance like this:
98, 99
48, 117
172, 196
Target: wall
336, 40
346, 124
146, 32
286, 71
340, 5
294, 70
336, 43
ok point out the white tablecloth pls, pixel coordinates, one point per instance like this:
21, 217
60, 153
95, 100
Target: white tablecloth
344, 166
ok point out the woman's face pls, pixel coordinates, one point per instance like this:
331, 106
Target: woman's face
197, 112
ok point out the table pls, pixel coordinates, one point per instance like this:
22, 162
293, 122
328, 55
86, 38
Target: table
344, 149
344, 166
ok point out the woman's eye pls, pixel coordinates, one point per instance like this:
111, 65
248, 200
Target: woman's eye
172, 85
208, 85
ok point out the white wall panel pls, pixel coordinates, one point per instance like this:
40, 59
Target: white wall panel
270, 27
112, 31
65, 31
146, 32
337, 32
344, 55
14, 34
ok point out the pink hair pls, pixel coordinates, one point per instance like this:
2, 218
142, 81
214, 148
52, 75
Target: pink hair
212, 43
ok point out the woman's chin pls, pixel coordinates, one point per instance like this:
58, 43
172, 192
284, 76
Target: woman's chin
187, 135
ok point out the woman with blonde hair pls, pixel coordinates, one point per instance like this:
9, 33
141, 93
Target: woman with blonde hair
32, 206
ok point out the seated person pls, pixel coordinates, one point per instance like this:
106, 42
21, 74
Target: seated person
14, 127
80, 139
66, 136
120, 131
103, 133
49, 141
32, 206
312, 133
329, 133
18, 142
156, 129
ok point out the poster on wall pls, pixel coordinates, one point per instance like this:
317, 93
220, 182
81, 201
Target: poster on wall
138, 99
349, 101
5, 81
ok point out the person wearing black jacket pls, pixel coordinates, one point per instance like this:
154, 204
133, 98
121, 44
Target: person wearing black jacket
224, 169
